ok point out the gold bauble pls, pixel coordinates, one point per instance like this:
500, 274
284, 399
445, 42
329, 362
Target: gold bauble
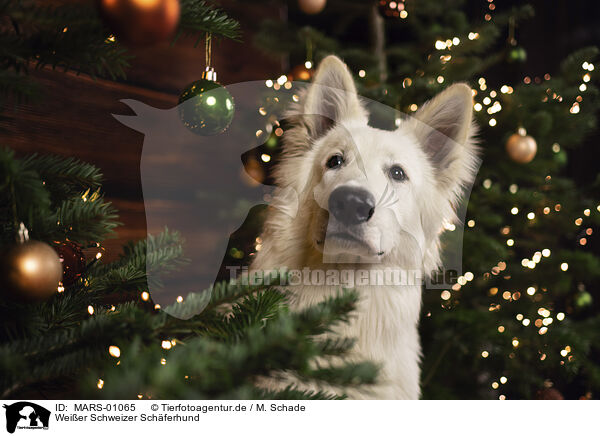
30, 271
141, 22
311, 6
521, 147
300, 72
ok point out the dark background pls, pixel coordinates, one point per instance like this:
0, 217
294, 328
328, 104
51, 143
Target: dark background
73, 116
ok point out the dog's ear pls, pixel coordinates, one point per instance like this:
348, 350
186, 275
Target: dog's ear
444, 129
331, 97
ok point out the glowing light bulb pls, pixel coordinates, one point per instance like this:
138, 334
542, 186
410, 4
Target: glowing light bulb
30, 265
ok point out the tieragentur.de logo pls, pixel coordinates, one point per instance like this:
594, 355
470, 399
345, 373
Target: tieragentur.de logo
26, 416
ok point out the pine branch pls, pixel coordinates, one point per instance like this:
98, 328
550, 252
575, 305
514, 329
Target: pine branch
350, 374
66, 352
141, 263
80, 221
228, 370
64, 176
22, 192
293, 393
64, 36
228, 292
335, 346
197, 16
253, 310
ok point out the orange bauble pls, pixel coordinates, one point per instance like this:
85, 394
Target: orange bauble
30, 272
141, 22
521, 148
300, 72
311, 6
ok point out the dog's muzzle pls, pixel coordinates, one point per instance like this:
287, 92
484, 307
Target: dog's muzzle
351, 206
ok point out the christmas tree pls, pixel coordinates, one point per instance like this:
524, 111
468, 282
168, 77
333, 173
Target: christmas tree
97, 332
521, 322
73, 326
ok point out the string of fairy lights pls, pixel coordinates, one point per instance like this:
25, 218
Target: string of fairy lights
545, 317
488, 99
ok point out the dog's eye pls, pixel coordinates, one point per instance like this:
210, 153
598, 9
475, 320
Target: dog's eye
397, 173
335, 161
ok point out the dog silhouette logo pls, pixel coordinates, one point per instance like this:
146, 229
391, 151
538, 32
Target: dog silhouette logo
207, 187
26, 415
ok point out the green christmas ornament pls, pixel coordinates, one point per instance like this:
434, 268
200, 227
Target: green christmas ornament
583, 299
205, 106
560, 157
210, 108
517, 54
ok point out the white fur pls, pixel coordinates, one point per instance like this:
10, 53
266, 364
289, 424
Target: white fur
402, 233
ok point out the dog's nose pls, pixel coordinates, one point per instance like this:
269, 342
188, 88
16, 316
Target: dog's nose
351, 205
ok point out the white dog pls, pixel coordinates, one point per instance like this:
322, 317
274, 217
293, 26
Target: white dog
370, 199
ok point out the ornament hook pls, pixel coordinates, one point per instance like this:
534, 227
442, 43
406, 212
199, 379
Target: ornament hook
23, 233
209, 72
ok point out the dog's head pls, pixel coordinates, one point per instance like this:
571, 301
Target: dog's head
371, 195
